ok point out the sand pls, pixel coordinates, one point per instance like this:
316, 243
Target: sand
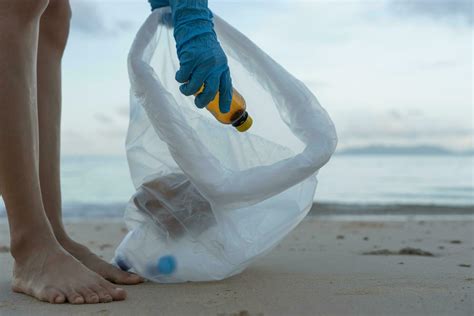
320, 269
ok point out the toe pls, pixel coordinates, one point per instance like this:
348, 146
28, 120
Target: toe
118, 276
90, 296
117, 293
104, 296
74, 298
53, 296
59, 299
133, 279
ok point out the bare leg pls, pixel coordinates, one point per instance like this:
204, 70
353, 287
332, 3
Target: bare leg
42, 268
54, 30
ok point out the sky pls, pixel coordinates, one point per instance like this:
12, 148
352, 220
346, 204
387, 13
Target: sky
392, 72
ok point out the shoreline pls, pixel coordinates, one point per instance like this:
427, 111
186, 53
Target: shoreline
87, 211
389, 209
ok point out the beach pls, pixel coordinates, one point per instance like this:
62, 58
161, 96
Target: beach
329, 265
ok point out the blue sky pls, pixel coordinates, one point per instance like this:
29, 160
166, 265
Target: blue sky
387, 71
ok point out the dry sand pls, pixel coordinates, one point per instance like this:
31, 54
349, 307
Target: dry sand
320, 269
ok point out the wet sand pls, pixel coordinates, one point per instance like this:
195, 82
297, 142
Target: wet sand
320, 269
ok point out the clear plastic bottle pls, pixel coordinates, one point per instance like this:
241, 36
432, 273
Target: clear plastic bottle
237, 116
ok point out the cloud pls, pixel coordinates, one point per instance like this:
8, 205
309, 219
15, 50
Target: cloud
403, 127
439, 64
104, 119
116, 116
88, 18
453, 11
123, 111
104, 140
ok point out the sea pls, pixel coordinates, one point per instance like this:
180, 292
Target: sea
101, 186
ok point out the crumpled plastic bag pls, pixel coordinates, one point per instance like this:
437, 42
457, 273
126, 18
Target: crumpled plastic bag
210, 197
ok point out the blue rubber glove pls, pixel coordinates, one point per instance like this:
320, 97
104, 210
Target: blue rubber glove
155, 4
202, 60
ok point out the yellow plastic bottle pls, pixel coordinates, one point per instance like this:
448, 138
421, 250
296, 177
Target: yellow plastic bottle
237, 116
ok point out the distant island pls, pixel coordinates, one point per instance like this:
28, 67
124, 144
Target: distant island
403, 150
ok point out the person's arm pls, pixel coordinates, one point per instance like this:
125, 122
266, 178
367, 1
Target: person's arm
202, 59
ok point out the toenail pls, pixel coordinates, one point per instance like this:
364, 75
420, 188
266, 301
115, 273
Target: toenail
79, 300
59, 299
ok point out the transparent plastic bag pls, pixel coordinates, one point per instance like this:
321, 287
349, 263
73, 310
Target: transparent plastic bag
213, 198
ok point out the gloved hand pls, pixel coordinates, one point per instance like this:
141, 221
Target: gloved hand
202, 60
155, 4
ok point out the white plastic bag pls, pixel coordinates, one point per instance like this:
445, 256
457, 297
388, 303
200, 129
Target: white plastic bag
211, 197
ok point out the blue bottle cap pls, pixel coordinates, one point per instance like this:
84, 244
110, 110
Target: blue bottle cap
166, 265
122, 264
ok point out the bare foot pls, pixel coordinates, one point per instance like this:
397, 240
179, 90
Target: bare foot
51, 274
101, 267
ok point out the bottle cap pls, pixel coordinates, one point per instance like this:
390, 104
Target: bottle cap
166, 265
245, 125
122, 264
